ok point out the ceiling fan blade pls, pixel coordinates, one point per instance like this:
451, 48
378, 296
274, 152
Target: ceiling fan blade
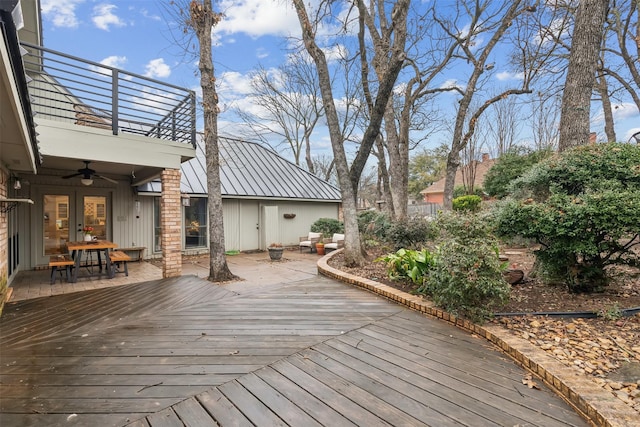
113, 181
71, 176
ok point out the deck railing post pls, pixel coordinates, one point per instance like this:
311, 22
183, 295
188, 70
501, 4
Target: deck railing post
114, 100
192, 95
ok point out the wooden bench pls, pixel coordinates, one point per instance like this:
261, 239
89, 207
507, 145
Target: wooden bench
58, 261
136, 252
117, 258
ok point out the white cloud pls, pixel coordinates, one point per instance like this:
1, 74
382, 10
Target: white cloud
149, 15
103, 16
451, 83
620, 111
235, 83
506, 75
110, 61
61, 12
157, 68
257, 18
114, 61
335, 53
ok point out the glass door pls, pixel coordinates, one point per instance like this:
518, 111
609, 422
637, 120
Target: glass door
94, 217
64, 216
55, 223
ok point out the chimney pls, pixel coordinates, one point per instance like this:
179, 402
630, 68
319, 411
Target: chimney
592, 138
485, 157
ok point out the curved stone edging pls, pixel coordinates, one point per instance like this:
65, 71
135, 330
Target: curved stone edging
599, 406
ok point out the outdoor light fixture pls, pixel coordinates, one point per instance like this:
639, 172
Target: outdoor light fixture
185, 200
86, 181
17, 184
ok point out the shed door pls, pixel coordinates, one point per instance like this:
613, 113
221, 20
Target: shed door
249, 225
270, 226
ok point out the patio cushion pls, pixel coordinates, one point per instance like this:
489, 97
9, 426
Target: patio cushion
336, 242
310, 240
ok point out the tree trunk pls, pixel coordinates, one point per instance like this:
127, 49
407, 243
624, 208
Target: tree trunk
603, 89
203, 18
581, 73
353, 247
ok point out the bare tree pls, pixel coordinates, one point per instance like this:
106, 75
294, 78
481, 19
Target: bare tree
288, 107
470, 156
502, 125
544, 124
427, 58
201, 19
349, 178
602, 88
481, 20
581, 73
624, 23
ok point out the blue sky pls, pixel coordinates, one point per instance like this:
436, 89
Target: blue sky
139, 36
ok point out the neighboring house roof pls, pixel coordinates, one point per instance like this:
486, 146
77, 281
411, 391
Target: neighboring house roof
481, 170
248, 169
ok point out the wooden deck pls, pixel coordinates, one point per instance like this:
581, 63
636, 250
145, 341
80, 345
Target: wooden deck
315, 352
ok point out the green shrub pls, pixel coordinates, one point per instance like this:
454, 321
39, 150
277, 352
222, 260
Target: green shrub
582, 208
464, 227
412, 233
466, 278
327, 226
460, 191
467, 203
511, 165
408, 263
374, 224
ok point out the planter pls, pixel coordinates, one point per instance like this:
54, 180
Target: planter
275, 253
88, 237
320, 248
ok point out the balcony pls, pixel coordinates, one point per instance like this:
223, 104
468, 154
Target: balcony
72, 90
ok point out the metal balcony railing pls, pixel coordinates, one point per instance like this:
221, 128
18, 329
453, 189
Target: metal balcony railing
70, 89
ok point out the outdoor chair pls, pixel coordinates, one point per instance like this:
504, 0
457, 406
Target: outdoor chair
310, 241
334, 242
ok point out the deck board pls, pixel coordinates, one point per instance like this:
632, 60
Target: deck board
184, 351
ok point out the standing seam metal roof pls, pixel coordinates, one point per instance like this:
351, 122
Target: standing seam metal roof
248, 169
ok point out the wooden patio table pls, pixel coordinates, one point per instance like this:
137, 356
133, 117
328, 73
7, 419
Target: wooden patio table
77, 249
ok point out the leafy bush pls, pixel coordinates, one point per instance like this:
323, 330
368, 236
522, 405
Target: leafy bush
464, 227
466, 278
410, 234
460, 191
374, 223
327, 226
582, 208
467, 203
408, 263
511, 165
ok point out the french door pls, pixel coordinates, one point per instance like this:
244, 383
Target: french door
65, 216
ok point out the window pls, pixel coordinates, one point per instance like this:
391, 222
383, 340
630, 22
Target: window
157, 228
195, 223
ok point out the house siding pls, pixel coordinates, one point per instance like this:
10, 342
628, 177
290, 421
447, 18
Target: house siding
4, 226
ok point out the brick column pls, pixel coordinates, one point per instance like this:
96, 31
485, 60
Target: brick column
171, 223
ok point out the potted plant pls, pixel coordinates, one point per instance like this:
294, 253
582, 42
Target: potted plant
88, 231
275, 251
320, 247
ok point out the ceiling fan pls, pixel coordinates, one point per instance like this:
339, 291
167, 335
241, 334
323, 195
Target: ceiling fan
88, 174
